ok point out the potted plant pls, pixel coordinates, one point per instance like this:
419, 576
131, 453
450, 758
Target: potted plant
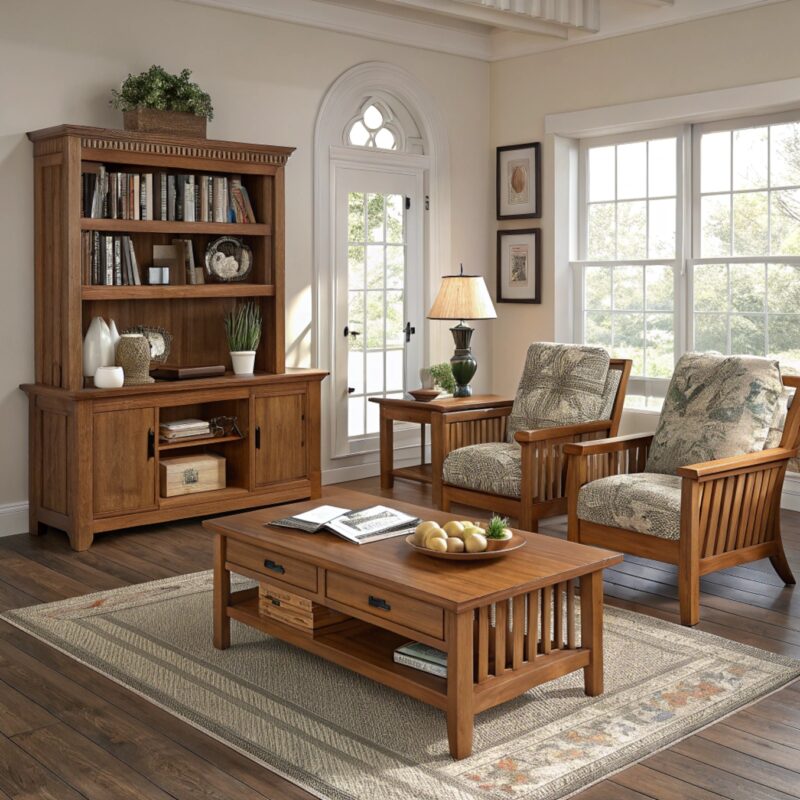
243, 328
159, 102
498, 534
442, 375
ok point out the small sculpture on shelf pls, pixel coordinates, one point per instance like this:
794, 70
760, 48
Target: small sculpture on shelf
133, 355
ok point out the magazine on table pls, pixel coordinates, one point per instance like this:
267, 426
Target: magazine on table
359, 526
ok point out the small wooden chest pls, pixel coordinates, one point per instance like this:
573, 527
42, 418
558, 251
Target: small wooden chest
291, 609
189, 474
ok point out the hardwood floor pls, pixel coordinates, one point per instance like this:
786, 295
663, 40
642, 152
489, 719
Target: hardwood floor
67, 733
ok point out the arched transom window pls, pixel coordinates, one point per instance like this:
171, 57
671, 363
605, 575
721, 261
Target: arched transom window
375, 126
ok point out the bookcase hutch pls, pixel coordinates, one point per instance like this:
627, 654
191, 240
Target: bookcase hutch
94, 453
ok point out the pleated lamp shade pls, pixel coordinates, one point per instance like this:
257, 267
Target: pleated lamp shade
462, 297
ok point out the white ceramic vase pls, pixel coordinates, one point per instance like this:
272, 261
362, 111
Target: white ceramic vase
425, 378
109, 378
97, 347
112, 328
243, 361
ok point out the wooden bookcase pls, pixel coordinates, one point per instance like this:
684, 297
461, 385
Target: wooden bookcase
94, 453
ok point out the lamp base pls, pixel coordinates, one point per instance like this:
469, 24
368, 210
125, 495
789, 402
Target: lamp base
463, 363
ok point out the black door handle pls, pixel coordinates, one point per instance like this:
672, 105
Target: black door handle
409, 331
348, 332
258, 437
379, 602
269, 564
151, 443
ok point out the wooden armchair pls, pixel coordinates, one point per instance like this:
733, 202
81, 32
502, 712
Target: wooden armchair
528, 469
706, 517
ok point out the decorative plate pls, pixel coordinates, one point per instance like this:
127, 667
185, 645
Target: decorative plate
160, 341
484, 556
228, 259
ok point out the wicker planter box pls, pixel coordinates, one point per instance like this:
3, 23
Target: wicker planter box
151, 120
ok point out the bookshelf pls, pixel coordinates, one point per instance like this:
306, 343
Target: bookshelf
94, 461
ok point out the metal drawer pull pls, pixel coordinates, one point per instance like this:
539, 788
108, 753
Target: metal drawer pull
378, 602
274, 567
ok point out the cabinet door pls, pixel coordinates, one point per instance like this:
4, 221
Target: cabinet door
281, 452
123, 459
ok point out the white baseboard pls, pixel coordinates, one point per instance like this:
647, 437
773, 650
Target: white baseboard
790, 499
13, 518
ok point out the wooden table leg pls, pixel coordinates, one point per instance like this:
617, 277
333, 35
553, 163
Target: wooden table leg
222, 593
437, 458
387, 450
460, 714
592, 631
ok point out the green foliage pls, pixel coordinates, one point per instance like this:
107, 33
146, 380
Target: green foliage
163, 91
443, 377
496, 527
243, 327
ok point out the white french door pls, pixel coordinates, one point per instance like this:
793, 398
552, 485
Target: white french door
379, 316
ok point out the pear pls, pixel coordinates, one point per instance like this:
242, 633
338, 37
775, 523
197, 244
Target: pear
421, 530
474, 542
455, 544
454, 528
433, 533
437, 544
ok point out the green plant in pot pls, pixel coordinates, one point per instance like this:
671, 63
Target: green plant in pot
162, 102
498, 534
442, 375
243, 329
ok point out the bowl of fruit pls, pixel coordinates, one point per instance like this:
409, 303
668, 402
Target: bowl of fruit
464, 540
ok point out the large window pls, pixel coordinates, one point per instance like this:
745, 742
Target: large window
690, 239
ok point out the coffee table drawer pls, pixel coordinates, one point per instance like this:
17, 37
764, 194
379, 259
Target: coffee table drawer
274, 565
378, 602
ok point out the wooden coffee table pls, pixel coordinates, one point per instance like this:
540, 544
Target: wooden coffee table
477, 612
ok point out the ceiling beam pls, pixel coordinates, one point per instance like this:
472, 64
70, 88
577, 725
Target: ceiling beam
580, 14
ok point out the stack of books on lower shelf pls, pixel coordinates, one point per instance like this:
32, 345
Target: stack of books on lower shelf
182, 429
421, 657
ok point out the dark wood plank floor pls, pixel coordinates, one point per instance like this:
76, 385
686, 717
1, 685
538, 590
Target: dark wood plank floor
67, 733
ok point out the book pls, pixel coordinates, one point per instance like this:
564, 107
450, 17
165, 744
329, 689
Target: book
421, 657
359, 526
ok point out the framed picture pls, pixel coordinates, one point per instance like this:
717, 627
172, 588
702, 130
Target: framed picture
519, 181
519, 277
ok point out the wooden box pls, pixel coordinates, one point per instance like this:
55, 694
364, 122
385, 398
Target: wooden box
189, 474
151, 120
291, 609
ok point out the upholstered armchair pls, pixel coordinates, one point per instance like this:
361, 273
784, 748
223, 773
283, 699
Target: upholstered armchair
511, 460
704, 491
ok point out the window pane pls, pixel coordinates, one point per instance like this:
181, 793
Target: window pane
629, 339
631, 170
374, 320
597, 329
601, 174
394, 218
747, 334
355, 267
661, 234
632, 229
602, 231
356, 320
375, 266
750, 224
384, 139
628, 288
395, 266
660, 288
355, 416
355, 371
748, 284
711, 287
394, 370
785, 222
356, 217
373, 118
394, 319
373, 418
784, 338
597, 287
375, 371
359, 135
662, 167
660, 345
711, 332
785, 154
783, 289
750, 158
715, 162
375, 217
715, 226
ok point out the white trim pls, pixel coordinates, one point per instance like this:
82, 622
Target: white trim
372, 467
13, 518
790, 498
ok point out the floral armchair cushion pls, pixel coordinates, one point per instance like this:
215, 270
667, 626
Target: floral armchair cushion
613, 378
561, 384
493, 467
716, 406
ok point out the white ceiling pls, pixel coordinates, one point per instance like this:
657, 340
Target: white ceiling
486, 29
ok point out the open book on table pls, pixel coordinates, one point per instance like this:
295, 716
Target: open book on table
359, 526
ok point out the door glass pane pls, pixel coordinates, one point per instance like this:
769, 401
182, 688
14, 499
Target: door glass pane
375, 217
394, 370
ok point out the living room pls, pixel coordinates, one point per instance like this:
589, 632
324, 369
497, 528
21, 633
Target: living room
314, 299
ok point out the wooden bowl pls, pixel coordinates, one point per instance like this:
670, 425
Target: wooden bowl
499, 544
424, 395
514, 544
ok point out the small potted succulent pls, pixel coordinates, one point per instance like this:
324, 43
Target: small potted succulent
498, 534
158, 101
243, 329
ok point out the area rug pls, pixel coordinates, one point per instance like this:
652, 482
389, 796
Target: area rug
344, 737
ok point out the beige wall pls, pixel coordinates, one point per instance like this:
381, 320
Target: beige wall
734, 50
58, 62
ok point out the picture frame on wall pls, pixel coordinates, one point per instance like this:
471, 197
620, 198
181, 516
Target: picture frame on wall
519, 181
519, 273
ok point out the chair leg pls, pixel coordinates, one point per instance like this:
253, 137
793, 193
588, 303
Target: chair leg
445, 503
689, 596
526, 520
781, 565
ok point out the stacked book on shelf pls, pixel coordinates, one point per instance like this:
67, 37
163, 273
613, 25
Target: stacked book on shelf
183, 429
164, 196
421, 657
108, 260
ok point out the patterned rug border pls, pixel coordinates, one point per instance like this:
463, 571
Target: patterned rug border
306, 781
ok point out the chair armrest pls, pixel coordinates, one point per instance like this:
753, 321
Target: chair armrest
544, 434
721, 466
613, 445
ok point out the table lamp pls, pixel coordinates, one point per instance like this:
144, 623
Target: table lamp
462, 297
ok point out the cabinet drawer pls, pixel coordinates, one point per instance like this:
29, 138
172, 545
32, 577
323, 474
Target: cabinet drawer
276, 566
378, 602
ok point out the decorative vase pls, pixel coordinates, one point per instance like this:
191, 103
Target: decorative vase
112, 327
463, 363
109, 378
244, 361
153, 120
425, 378
96, 347
133, 355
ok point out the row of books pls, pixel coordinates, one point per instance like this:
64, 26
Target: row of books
109, 260
164, 196
182, 429
421, 657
